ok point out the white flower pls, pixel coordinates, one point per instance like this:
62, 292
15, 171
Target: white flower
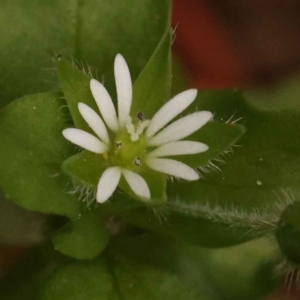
128, 146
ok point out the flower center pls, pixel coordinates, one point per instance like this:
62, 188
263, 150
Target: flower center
129, 146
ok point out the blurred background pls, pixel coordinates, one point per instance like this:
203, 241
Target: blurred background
221, 44
228, 43
244, 44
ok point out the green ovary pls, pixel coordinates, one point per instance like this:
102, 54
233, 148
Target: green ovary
125, 152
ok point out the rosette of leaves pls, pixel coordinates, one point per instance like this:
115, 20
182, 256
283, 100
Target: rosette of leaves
240, 197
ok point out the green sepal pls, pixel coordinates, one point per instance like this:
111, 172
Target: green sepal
75, 85
85, 168
218, 136
157, 184
152, 88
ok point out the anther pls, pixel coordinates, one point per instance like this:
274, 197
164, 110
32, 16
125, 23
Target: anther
141, 116
119, 144
137, 161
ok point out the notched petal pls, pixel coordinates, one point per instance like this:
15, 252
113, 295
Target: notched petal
172, 167
138, 184
170, 110
94, 121
124, 88
181, 128
105, 104
108, 183
84, 140
179, 148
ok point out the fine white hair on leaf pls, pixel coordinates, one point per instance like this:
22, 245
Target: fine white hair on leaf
105, 104
94, 121
80, 65
258, 221
179, 148
160, 215
138, 184
83, 193
84, 140
170, 110
172, 167
124, 88
181, 128
289, 270
108, 183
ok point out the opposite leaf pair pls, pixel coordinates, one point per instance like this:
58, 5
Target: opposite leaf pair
135, 144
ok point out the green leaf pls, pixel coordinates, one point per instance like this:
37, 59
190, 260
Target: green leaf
120, 278
152, 88
84, 280
83, 239
31, 156
187, 226
91, 31
27, 49
32, 150
176, 270
213, 273
140, 281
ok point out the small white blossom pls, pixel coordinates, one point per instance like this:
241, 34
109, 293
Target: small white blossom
126, 144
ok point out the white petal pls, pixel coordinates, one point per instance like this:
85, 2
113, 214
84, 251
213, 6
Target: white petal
138, 184
94, 121
170, 110
105, 104
84, 140
181, 128
172, 167
124, 88
179, 148
108, 183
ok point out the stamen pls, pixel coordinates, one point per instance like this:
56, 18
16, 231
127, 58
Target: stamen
134, 137
129, 125
135, 134
142, 126
137, 161
141, 116
119, 144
